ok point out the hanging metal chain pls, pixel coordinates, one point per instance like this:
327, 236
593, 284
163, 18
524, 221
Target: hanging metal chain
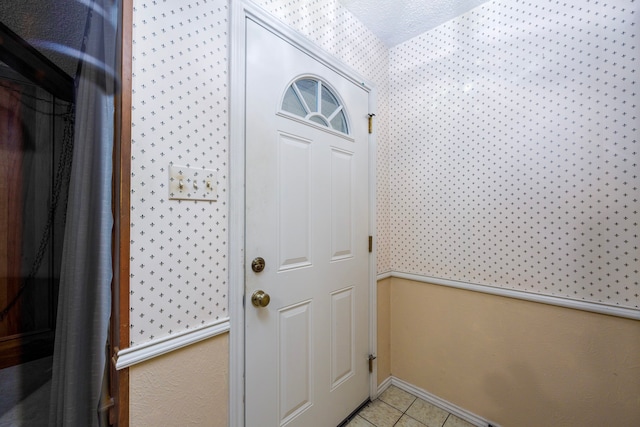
63, 175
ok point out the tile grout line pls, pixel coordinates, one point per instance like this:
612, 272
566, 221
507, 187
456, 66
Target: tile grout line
415, 398
403, 413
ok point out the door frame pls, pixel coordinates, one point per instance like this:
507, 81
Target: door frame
240, 12
121, 205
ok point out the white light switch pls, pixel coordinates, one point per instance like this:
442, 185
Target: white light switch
192, 183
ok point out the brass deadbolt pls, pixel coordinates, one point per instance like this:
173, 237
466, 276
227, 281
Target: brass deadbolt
257, 265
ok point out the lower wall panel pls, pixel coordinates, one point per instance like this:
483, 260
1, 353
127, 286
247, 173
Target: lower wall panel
516, 362
186, 387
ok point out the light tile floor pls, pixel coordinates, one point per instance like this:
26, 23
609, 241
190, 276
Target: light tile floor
397, 408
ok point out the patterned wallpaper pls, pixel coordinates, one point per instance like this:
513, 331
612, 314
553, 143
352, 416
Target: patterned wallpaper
179, 268
506, 149
179, 250
329, 25
514, 160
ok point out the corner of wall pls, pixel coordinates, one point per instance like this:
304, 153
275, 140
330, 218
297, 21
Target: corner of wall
384, 330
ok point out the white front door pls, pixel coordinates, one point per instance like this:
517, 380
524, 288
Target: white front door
307, 216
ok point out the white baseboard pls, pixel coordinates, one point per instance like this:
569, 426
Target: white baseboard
469, 417
383, 386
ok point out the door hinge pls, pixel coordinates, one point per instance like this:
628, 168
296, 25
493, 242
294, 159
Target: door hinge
371, 359
371, 123
370, 243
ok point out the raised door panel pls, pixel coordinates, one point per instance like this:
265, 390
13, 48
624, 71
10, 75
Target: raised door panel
295, 375
294, 202
342, 336
342, 193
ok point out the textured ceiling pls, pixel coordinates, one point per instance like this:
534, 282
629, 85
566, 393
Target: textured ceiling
395, 21
62, 21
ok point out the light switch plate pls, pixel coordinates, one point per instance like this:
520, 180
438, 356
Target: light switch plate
192, 183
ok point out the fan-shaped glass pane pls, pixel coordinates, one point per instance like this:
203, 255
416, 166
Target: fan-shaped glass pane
320, 120
301, 99
292, 104
339, 122
329, 102
309, 90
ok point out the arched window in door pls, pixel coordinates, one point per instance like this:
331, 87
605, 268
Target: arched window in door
314, 101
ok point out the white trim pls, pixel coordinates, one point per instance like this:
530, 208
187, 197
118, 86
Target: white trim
273, 24
237, 212
383, 386
373, 283
470, 417
140, 353
594, 307
383, 276
308, 122
240, 11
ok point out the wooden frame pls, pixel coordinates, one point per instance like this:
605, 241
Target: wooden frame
119, 379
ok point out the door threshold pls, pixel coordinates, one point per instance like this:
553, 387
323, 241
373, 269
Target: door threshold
354, 413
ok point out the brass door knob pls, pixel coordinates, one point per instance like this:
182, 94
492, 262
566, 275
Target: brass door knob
260, 299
